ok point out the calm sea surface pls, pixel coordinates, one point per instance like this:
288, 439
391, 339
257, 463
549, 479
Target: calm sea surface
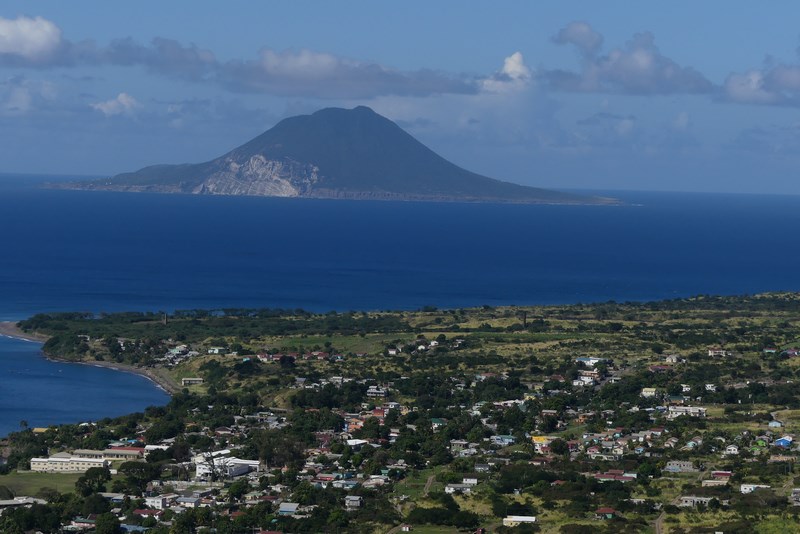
67, 250
43, 393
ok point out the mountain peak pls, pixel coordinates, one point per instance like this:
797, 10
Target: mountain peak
333, 153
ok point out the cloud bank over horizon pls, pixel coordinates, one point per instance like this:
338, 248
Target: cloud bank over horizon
617, 106
638, 68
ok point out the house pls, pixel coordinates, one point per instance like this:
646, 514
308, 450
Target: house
750, 488
690, 411
731, 450
503, 440
288, 508
710, 483
470, 480
718, 351
83, 523
188, 502
376, 391
680, 466
352, 502
146, 512
605, 513
648, 393
158, 503
775, 424
541, 443
196, 381
687, 501
590, 362
785, 442
512, 521
458, 444
458, 488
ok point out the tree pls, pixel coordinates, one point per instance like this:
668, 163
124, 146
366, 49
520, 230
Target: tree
139, 473
238, 489
93, 481
559, 446
107, 523
95, 504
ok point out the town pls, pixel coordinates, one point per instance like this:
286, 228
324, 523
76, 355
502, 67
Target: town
665, 417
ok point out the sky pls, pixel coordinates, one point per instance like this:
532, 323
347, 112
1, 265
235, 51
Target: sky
616, 95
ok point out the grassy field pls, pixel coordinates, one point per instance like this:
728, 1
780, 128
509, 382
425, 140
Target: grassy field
30, 483
414, 485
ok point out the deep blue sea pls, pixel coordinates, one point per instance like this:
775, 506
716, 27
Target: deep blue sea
95, 251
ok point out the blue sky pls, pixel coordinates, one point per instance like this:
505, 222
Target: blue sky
681, 96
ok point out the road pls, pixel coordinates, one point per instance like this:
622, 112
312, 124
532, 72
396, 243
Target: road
428, 485
425, 491
659, 524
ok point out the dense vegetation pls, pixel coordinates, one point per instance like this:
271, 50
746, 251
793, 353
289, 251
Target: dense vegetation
400, 396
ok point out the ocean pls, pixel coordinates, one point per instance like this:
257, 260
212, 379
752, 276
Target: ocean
103, 252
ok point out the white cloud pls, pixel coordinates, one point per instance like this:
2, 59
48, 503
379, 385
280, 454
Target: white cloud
514, 67
778, 85
307, 73
20, 96
582, 36
513, 75
749, 88
638, 67
31, 39
123, 104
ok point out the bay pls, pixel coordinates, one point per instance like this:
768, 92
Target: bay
42, 392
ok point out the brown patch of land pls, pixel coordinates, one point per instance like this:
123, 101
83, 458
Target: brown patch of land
10, 329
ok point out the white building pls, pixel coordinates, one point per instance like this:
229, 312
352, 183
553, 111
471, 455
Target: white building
691, 411
517, 520
750, 488
222, 465
66, 463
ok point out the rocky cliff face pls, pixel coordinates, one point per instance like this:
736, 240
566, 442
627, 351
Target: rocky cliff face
260, 176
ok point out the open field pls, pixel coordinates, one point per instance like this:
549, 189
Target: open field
30, 483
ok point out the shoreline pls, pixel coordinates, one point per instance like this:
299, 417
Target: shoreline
10, 329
